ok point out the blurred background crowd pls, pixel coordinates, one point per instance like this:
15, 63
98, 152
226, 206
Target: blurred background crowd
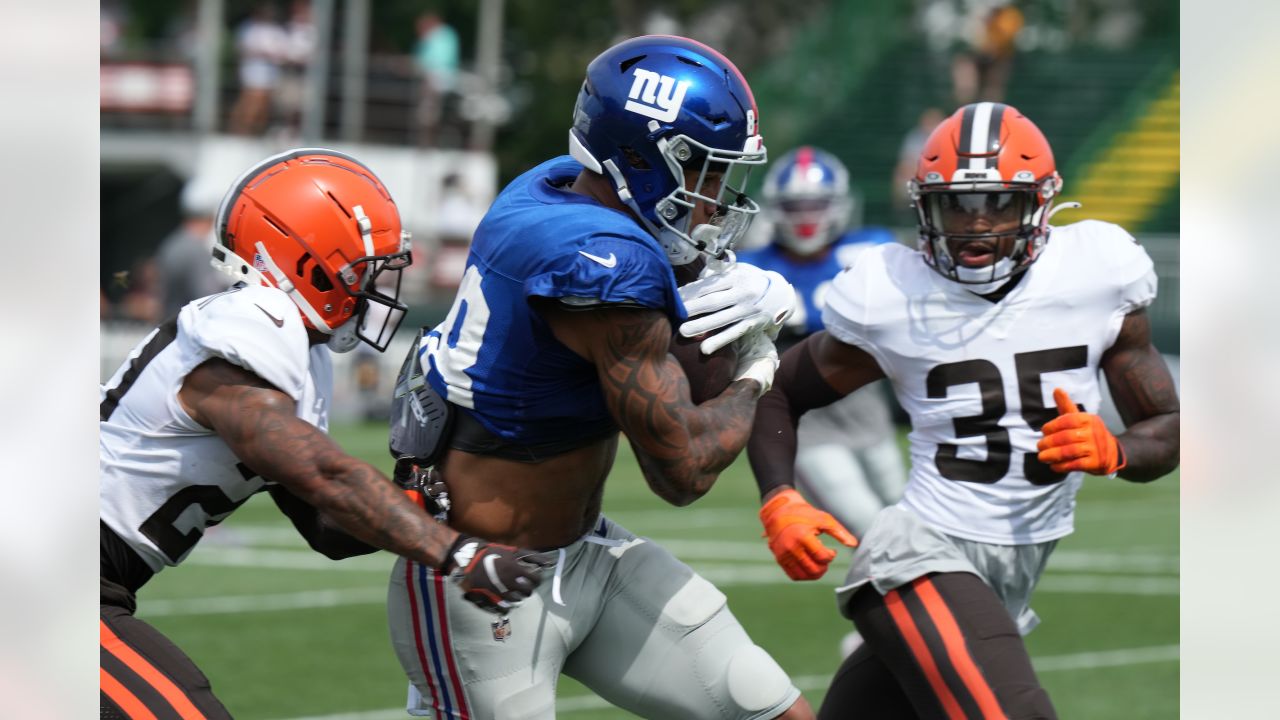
449, 99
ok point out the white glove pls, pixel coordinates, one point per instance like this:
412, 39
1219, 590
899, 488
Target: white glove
739, 298
757, 360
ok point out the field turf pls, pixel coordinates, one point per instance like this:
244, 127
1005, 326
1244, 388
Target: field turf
283, 632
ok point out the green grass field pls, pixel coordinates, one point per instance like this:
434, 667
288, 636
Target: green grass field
285, 633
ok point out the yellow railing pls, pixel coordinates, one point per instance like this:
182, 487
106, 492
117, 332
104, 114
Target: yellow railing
1131, 177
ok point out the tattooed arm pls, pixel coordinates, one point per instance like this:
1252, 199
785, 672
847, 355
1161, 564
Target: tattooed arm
316, 528
1144, 393
681, 447
258, 423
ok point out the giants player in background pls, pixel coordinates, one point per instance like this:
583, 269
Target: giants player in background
848, 462
231, 397
992, 335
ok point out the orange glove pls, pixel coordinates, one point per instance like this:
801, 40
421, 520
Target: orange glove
1078, 441
793, 526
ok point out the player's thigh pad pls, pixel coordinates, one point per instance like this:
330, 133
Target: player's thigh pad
143, 674
666, 645
466, 662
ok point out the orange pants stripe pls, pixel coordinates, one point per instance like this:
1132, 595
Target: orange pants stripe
957, 650
911, 634
149, 673
120, 695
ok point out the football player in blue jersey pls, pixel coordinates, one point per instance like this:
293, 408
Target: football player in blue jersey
557, 343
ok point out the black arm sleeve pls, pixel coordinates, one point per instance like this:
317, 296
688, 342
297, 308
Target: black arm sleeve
323, 536
797, 388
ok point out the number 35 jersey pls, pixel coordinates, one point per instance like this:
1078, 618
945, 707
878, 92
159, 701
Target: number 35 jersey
164, 478
977, 377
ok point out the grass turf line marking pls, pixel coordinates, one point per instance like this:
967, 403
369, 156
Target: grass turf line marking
722, 575
224, 554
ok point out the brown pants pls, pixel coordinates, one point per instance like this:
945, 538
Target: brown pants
941, 646
143, 674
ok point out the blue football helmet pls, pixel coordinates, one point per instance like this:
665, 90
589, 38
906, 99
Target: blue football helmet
652, 108
807, 194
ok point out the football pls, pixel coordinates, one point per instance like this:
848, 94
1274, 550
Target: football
708, 375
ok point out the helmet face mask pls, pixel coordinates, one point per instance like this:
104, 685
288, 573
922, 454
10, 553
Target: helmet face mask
983, 192
379, 311
673, 125
320, 226
709, 178
807, 195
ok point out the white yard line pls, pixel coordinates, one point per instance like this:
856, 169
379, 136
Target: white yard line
234, 604
275, 558
278, 559
1140, 563
721, 575
1051, 663
1107, 585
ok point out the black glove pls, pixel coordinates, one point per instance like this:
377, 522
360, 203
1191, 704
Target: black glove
494, 577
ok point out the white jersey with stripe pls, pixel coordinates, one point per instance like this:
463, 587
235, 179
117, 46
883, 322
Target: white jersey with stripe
164, 478
977, 377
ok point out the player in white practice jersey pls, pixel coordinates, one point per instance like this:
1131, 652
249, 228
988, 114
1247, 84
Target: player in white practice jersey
231, 397
990, 334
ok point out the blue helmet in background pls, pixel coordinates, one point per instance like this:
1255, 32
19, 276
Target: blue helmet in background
806, 193
652, 108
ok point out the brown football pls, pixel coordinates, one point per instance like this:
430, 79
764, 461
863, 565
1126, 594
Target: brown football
708, 375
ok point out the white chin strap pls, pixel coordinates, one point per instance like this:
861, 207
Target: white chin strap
973, 277
679, 250
344, 339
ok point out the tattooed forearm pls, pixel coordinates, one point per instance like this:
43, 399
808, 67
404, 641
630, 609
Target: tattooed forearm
1147, 399
320, 532
259, 425
681, 447
364, 503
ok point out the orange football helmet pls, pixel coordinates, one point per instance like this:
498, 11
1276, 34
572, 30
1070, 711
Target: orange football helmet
319, 225
983, 189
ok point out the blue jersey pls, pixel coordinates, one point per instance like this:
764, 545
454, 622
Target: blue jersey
812, 278
494, 354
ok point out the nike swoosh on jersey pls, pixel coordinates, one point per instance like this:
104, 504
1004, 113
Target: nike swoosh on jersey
607, 262
278, 321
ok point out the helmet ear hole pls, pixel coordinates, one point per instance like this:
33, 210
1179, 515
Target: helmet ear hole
634, 159
319, 280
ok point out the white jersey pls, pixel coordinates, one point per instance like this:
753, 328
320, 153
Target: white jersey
977, 377
165, 478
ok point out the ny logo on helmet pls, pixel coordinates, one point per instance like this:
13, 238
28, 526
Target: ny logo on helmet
659, 96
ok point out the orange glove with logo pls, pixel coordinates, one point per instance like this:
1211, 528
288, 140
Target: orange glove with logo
1078, 441
793, 526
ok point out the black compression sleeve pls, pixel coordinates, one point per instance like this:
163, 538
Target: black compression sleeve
797, 388
322, 535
